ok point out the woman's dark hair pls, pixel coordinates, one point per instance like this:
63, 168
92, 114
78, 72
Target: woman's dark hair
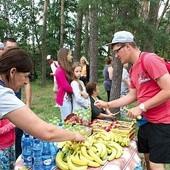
90, 87
64, 63
108, 60
15, 58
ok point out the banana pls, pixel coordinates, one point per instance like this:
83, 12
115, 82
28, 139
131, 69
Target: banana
101, 136
96, 158
104, 150
75, 146
116, 138
127, 141
123, 143
119, 153
61, 144
98, 130
108, 138
94, 149
113, 155
77, 161
99, 149
120, 139
109, 151
104, 156
85, 154
65, 148
104, 136
72, 166
111, 136
117, 147
89, 162
59, 161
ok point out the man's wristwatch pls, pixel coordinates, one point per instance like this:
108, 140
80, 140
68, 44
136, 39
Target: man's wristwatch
142, 107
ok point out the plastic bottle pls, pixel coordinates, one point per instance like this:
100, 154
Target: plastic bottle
46, 156
54, 149
27, 150
37, 155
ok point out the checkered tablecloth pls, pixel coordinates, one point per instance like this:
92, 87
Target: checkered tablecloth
128, 161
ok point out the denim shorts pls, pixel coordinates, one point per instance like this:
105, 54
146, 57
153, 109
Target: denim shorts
155, 140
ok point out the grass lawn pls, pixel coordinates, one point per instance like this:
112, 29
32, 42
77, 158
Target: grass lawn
43, 101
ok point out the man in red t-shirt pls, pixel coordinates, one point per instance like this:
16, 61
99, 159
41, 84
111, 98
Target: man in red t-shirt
150, 87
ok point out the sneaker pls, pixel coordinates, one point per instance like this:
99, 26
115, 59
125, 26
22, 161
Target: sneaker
56, 105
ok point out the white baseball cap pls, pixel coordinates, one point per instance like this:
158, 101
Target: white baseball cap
122, 37
49, 57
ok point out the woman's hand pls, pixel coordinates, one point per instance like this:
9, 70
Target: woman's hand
78, 137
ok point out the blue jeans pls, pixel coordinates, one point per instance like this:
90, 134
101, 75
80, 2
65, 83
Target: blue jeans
65, 109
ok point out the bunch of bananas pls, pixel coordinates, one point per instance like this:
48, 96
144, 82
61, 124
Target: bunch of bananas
101, 134
94, 152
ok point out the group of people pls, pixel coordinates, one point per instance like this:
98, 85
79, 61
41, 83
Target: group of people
74, 91
15, 67
149, 86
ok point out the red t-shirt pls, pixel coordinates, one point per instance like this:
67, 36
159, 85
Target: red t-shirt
147, 87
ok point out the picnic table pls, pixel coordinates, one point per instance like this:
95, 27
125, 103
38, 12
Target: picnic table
130, 160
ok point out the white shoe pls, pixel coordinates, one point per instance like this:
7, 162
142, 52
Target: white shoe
56, 105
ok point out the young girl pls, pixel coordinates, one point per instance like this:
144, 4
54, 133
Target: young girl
80, 97
64, 76
7, 139
85, 70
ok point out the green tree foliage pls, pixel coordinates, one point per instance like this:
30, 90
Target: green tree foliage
22, 19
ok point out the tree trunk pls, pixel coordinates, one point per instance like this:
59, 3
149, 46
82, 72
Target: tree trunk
93, 43
166, 7
77, 51
152, 24
86, 35
62, 25
6, 12
153, 12
33, 75
116, 81
145, 11
43, 80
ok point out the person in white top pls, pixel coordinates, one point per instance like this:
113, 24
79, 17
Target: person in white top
80, 97
54, 65
125, 80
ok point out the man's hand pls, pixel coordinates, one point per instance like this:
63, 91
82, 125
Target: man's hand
100, 104
134, 112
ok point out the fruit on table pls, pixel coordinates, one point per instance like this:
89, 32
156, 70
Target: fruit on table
94, 152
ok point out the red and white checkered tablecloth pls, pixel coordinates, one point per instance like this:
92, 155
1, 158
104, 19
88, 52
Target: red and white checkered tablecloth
128, 161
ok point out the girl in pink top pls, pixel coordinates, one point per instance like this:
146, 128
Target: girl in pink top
64, 76
7, 139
